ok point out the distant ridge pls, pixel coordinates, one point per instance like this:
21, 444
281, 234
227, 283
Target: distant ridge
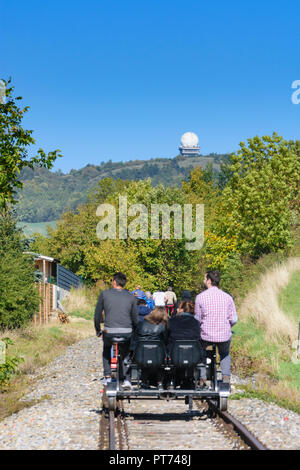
46, 194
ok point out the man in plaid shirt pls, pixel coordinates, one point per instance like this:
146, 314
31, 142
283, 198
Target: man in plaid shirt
215, 310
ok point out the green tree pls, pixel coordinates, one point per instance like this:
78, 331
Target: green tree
225, 172
14, 144
154, 263
18, 297
258, 200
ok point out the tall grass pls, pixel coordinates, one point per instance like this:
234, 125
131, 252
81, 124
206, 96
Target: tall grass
81, 302
289, 299
262, 305
265, 333
37, 346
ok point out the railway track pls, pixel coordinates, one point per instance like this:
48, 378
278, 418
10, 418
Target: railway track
232, 425
117, 427
113, 432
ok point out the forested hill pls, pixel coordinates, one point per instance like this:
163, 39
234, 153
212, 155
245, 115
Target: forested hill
47, 194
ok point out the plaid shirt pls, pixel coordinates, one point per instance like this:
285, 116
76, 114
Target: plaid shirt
215, 310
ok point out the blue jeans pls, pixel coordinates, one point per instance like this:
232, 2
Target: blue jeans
223, 350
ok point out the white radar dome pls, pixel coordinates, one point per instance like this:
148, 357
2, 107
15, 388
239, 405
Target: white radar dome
189, 139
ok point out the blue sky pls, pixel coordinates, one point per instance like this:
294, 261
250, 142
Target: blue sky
125, 79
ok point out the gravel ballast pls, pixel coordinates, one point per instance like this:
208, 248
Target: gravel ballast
66, 415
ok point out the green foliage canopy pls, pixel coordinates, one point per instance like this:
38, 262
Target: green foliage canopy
249, 211
14, 144
57, 192
258, 201
154, 263
18, 297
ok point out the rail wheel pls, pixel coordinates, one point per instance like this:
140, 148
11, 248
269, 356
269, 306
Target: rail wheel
112, 403
222, 403
104, 399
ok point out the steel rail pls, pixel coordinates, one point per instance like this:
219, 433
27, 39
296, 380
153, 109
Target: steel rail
239, 428
109, 423
112, 442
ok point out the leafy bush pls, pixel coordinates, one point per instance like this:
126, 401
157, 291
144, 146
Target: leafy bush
259, 203
232, 272
18, 297
9, 365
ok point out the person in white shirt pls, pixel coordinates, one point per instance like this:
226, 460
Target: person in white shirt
159, 299
170, 300
170, 297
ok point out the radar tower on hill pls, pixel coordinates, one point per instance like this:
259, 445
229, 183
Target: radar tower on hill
189, 145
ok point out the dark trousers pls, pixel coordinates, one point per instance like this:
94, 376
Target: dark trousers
124, 353
223, 350
151, 375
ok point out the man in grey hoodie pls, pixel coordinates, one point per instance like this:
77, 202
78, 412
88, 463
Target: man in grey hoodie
120, 319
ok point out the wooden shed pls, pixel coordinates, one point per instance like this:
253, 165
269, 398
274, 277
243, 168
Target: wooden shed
55, 282
47, 266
